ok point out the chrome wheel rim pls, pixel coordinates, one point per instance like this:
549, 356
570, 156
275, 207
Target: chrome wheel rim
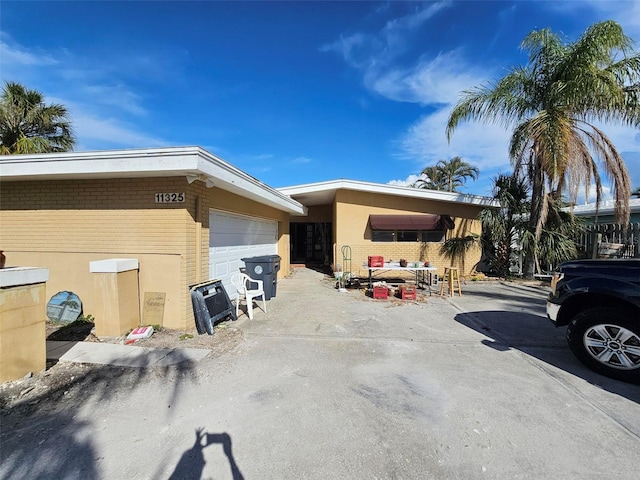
614, 346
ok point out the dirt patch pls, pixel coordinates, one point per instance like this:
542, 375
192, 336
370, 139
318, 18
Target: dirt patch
60, 382
225, 338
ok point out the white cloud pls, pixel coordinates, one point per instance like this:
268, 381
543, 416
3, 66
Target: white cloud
98, 101
92, 130
395, 31
436, 80
433, 81
373, 53
355, 49
626, 12
414, 20
15, 55
626, 139
261, 156
407, 182
583, 198
118, 95
484, 146
301, 160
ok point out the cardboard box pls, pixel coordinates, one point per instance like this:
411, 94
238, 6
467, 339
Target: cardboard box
375, 261
140, 332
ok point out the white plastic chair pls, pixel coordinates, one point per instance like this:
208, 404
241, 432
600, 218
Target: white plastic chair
241, 281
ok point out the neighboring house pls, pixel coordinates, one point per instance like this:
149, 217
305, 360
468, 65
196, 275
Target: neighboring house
381, 220
185, 214
605, 214
188, 216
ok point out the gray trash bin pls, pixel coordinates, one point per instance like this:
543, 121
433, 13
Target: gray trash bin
265, 268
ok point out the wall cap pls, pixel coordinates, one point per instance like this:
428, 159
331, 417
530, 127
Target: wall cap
16, 276
113, 265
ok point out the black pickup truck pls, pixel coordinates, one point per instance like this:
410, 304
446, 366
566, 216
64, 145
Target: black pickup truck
599, 300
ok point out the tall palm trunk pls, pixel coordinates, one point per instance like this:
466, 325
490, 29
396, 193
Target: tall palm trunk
537, 198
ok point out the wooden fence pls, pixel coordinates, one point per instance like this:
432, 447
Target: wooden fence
610, 241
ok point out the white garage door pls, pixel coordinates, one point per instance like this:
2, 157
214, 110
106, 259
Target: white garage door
232, 237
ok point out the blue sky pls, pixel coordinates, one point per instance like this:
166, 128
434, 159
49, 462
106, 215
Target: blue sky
290, 92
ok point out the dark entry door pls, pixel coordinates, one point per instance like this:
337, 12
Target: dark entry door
310, 242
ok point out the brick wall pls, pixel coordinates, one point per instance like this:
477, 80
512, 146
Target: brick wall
352, 218
63, 225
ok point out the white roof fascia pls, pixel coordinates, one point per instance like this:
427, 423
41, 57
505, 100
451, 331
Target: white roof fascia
153, 162
438, 195
606, 208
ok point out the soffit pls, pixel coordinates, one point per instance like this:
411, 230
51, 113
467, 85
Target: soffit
194, 163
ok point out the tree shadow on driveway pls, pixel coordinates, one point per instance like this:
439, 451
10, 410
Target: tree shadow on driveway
535, 336
43, 436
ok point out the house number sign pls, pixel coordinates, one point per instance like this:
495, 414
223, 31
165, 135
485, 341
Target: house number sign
170, 197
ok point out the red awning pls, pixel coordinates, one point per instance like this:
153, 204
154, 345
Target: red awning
411, 222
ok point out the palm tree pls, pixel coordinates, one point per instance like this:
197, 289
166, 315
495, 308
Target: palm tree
456, 171
504, 228
447, 175
552, 105
431, 178
557, 242
27, 125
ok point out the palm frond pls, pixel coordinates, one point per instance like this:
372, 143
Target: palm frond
27, 125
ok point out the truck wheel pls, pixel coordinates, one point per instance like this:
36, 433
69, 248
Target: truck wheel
607, 342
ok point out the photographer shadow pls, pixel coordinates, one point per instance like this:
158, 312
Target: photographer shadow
192, 462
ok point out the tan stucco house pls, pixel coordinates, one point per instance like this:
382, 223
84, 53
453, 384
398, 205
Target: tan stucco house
381, 220
187, 216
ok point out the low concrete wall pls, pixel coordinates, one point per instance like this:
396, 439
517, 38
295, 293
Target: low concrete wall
23, 347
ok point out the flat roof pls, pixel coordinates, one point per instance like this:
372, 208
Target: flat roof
194, 163
606, 208
323, 193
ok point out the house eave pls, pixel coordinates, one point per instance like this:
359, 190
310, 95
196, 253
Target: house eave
308, 194
192, 162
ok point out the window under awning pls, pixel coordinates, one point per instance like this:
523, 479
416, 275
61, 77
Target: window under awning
411, 222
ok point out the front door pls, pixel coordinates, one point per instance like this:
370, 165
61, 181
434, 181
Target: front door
311, 242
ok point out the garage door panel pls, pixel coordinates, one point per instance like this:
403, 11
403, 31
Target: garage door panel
229, 231
233, 237
241, 239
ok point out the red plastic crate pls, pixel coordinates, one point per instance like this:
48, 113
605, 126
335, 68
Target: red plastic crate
375, 261
408, 293
380, 292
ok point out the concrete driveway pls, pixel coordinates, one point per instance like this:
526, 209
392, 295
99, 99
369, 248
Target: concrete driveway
338, 385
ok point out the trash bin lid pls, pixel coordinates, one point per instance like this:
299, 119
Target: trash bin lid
262, 259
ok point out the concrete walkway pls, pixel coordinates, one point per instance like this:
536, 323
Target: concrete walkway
121, 355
